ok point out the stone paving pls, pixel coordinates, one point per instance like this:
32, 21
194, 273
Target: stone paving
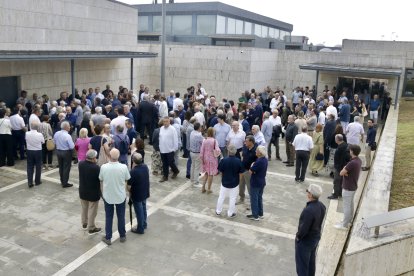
41, 232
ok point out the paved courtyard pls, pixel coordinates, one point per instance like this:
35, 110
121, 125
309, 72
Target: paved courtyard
41, 234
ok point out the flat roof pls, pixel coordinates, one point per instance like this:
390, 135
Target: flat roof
352, 69
67, 55
205, 8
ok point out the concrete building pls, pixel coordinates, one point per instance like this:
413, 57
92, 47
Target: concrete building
211, 23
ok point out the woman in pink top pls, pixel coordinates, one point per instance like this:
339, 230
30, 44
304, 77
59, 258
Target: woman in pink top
208, 154
82, 143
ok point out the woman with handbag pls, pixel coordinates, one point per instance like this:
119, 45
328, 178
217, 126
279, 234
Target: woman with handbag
47, 151
209, 153
316, 157
100, 144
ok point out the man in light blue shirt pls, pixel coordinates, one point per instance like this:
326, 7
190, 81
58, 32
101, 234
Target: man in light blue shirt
64, 147
196, 140
114, 176
221, 130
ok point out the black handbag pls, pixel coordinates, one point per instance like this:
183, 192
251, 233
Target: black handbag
319, 156
373, 146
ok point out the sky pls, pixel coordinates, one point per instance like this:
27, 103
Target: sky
328, 22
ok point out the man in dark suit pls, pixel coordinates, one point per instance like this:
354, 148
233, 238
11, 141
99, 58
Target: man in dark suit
147, 113
341, 158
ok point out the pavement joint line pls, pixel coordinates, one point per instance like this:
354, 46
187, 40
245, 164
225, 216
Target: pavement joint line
25, 172
69, 268
308, 178
229, 222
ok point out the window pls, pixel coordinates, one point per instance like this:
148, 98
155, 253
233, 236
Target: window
143, 23
220, 25
264, 31
239, 27
247, 28
231, 25
277, 33
181, 24
271, 32
157, 24
206, 24
258, 29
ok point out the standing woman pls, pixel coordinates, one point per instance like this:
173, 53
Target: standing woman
97, 142
6, 141
318, 142
82, 144
46, 130
208, 154
257, 183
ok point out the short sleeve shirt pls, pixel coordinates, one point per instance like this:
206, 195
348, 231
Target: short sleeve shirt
231, 167
114, 176
350, 182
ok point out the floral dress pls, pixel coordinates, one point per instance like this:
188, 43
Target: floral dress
209, 163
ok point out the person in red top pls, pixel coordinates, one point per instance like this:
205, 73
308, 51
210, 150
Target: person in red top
350, 174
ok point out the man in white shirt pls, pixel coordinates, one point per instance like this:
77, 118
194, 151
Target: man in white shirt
321, 118
199, 116
354, 132
275, 118
202, 90
35, 117
120, 120
274, 102
34, 141
168, 145
303, 145
331, 109
177, 101
236, 137
163, 108
18, 128
98, 93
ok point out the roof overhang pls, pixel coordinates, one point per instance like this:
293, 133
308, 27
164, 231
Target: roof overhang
365, 70
68, 55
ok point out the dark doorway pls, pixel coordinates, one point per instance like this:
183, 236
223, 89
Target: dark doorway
345, 84
9, 90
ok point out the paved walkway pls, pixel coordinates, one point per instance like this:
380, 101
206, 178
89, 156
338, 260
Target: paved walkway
41, 233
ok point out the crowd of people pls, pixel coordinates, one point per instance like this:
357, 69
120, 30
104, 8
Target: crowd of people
105, 131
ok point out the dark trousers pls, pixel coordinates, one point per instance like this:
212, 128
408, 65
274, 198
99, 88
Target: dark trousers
65, 162
290, 152
46, 155
109, 217
238, 153
19, 141
337, 183
34, 160
140, 208
148, 127
189, 161
302, 160
6, 150
186, 152
305, 257
325, 154
168, 162
269, 148
256, 201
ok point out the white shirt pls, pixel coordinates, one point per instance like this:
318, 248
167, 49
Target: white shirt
5, 127
303, 142
275, 121
273, 103
236, 139
200, 118
163, 109
168, 139
34, 140
17, 122
322, 118
259, 139
120, 120
332, 110
203, 91
143, 95
100, 96
354, 132
176, 102
33, 119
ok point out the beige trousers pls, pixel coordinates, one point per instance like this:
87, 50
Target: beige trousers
89, 211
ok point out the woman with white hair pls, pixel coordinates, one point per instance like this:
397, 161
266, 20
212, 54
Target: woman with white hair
82, 144
257, 183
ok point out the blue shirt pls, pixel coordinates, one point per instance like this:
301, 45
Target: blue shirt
345, 113
372, 132
116, 102
221, 134
63, 140
259, 169
231, 167
196, 140
374, 105
249, 156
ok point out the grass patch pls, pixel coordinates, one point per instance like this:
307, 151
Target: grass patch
402, 192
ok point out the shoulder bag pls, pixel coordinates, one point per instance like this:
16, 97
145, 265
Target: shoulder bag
102, 159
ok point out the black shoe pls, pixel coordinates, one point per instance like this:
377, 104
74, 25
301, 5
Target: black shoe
187, 176
290, 165
37, 184
175, 174
135, 230
331, 174
84, 226
94, 231
217, 214
278, 158
285, 162
233, 215
67, 185
365, 169
333, 197
30, 185
252, 217
76, 161
163, 179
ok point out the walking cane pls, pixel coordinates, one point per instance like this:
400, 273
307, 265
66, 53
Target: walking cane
130, 210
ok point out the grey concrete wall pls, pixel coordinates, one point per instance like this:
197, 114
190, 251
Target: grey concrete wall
67, 25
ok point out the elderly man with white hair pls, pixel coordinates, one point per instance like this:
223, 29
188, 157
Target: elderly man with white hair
331, 109
98, 118
199, 116
34, 141
354, 132
309, 231
114, 176
258, 136
64, 147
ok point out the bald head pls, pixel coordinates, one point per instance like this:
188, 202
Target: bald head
114, 155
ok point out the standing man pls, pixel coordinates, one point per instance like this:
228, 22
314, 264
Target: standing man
232, 170
221, 130
89, 191
303, 145
249, 156
196, 140
236, 137
372, 133
34, 141
113, 176
341, 158
350, 174
168, 146
64, 147
345, 113
354, 132
373, 108
309, 232
18, 129
291, 132
139, 191
148, 114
